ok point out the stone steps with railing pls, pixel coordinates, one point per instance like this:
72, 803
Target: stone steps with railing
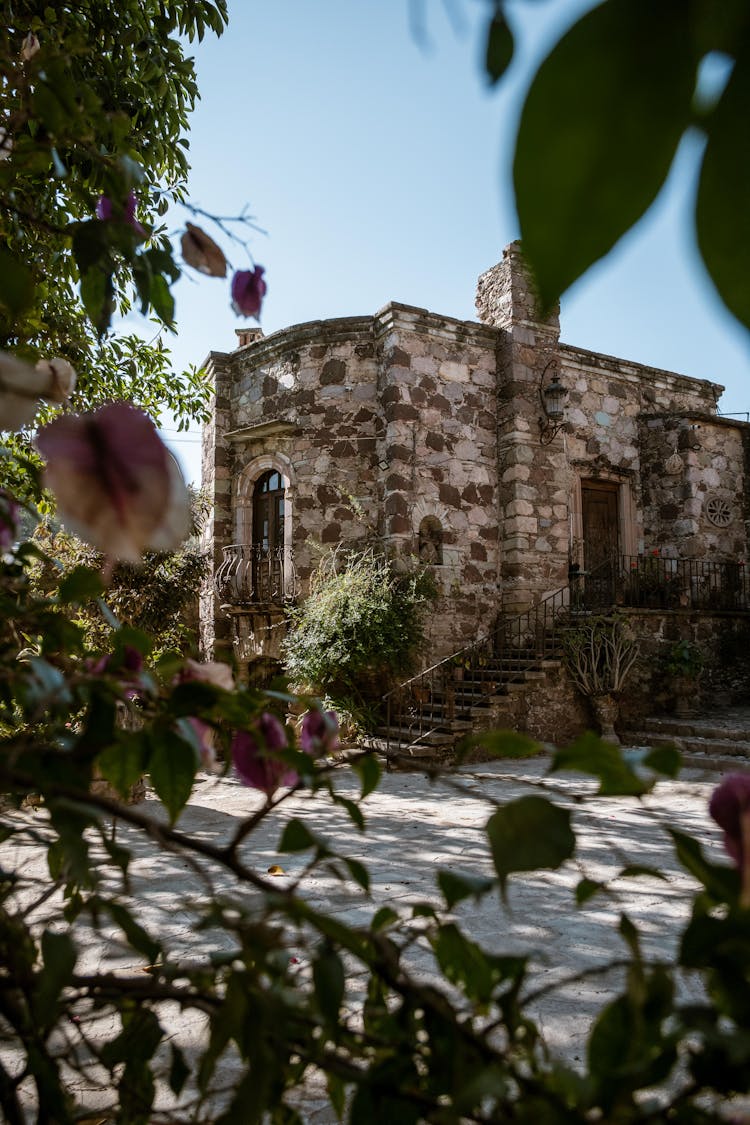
429, 714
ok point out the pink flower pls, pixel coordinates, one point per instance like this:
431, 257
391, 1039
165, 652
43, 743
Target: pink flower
116, 484
106, 210
8, 520
248, 291
220, 675
131, 662
730, 808
319, 733
29, 47
204, 737
253, 755
210, 672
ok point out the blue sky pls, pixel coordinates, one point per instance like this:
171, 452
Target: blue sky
378, 162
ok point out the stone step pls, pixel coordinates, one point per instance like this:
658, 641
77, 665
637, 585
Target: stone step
689, 744
701, 726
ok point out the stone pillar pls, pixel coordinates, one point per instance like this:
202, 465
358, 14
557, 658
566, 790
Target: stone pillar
395, 447
216, 482
535, 479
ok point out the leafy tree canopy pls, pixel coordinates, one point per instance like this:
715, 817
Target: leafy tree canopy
94, 107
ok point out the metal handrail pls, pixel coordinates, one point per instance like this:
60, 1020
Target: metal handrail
451, 689
252, 574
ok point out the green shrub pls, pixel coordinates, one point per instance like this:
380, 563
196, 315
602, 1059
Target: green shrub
361, 628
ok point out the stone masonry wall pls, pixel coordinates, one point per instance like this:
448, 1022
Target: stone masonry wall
534, 484
695, 486
216, 472
438, 455
319, 381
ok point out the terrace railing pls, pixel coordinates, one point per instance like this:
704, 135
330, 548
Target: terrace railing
657, 582
252, 574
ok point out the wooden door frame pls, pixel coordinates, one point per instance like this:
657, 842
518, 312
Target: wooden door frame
626, 514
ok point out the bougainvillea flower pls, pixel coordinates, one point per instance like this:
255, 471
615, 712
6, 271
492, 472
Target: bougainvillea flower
130, 662
116, 484
730, 808
107, 210
30, 47
9, 511
210, 672
248, 291
319, 733
253, 755
21, 387
202, 253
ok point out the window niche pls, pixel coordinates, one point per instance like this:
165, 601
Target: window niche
430, 541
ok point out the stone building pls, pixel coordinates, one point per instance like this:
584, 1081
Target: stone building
504, 458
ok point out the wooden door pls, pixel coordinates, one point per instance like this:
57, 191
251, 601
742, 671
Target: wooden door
601, 525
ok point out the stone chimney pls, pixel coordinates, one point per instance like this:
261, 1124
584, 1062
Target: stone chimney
506, 298
534, 477
248, 336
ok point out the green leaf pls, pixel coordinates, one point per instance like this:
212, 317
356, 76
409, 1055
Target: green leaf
589, 754
502, 743
59, 955
296, 837
329, 983
457, 886
383, 918
172, 767
353, 809
81, 585
529, 834
722, 882
598, 134
369, 770
499, 46
179, 1071
161, 299
587, 888
358, 872
722, 214
665, 760
124, 762
138, 938
16, 284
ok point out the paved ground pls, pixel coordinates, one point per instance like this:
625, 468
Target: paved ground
414, 827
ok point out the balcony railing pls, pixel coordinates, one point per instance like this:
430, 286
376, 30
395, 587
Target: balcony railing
657, 582
252, 575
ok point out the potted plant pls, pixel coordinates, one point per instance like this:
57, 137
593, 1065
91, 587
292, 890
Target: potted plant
599, 655
684, 666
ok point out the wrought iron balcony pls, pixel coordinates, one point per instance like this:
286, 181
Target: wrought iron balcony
256, 575
658, 582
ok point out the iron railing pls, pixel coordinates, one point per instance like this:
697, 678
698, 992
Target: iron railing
657, 582
252, 574
457, 688
451, 694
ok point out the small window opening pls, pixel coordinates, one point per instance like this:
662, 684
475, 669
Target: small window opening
431, 541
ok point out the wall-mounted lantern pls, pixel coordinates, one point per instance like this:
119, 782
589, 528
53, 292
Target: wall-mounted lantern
552, 397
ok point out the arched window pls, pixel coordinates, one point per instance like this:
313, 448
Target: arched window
268, 537
431, 541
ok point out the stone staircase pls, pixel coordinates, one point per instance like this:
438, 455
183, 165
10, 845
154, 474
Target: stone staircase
711, 740
464, 699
